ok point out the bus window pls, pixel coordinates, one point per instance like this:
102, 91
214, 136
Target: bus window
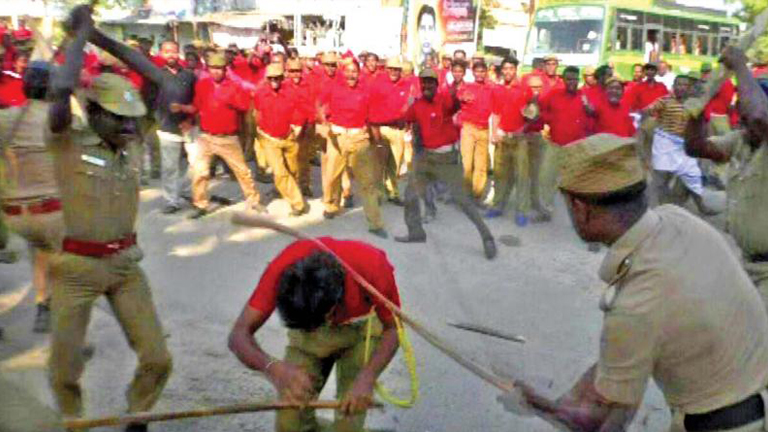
629, 30
636, 43
653, 19
622, 38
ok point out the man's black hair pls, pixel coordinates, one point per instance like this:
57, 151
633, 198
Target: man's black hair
35, 80
462, 64
511, 60
370, 54
460, 51
602, 71
571, 69
309, 289
426, 10
479, 65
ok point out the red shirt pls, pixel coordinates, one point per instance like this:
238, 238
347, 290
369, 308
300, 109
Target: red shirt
389, 100
547, 83
644, 94
614, 119
371, 263
595, 94
565, 114
508, 104
218, 105
253, 71
303, 95
347, 107
435, 120
368, 78
477, 110
276, 109
11, 89
721, 103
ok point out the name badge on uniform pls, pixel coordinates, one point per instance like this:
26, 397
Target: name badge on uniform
93, 160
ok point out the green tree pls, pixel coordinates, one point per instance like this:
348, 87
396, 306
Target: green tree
487, 20
751, 9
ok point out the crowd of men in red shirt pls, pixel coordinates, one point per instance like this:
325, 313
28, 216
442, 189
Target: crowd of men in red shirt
351, 114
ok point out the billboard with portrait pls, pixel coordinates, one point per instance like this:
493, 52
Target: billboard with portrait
436, 25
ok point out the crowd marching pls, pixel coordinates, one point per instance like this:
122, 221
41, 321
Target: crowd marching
462, 130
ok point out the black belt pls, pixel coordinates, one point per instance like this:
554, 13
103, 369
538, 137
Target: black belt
763, 257
739, 414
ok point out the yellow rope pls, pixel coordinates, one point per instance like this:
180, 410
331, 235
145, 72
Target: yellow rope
410, 361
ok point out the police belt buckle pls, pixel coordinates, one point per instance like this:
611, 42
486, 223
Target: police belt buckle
733, 416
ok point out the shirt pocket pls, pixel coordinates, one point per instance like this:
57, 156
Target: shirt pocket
90, 181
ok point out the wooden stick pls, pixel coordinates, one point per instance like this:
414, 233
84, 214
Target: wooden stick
256, 221
147, 417
476, 328
695, 106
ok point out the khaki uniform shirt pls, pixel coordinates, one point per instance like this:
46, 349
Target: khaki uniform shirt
747, 192
28, 164
99, 187
684, 313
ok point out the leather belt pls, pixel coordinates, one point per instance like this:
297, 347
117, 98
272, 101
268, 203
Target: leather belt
47, 205
733, 416
220, 134
342, 130
756, 258
98, 249
395, 125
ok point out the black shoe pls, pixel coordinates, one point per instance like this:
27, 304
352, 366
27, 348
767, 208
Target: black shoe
218, 199
307, 192
259, 208
540, 216
411, 238
329, 215
379, 232
297, 213
489, 247
170, 209
137, 427
263, 177
348, 202
42, 319
198, 213
396, 201
2, 333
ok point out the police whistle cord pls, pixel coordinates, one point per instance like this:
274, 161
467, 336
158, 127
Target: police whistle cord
695, 106
147, 417
255, 221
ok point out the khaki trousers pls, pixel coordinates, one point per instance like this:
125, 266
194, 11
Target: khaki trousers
317, 352
308, 146
228, 148
77, 283
323, 132
393, 143
283, 157
44, 234
474, 158
352, 150
511, 170
544, 157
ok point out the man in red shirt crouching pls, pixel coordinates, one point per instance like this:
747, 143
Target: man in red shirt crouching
436, 158
325, 310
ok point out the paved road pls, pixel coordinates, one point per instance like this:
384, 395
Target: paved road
202, 273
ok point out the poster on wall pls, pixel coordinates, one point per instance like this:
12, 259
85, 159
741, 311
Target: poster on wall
433, 24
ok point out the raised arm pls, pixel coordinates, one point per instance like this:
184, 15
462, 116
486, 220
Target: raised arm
753, 104
132, 58
66, 77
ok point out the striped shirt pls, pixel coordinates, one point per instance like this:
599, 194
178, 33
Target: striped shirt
672, 116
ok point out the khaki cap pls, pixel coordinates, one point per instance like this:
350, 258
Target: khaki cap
408, 66
613, 79
116, 95
589, 70
550, 57
293, 64
217, 59
274, 70
600, 164
428, 73
330, 57
197, 43
394, 63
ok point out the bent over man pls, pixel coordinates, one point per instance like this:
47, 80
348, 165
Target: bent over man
324, 309
97, 161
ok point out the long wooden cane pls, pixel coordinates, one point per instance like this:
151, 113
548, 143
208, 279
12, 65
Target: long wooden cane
147, 417
253, 220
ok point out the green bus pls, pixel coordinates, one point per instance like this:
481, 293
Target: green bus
625, 32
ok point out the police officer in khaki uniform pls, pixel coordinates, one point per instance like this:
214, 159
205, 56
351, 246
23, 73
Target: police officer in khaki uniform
97, 158
31, 204
747, 185
678, 307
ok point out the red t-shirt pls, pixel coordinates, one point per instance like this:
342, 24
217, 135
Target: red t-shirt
614, 119
11, 89
347, 107
566, 116
371, 263
508, 104
477, 110
303, 100
369, 78
253, 71
218, 105
644, 94
720, 104
435, 120
276, 109
389, 100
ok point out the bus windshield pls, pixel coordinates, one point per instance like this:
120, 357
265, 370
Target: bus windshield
564, 30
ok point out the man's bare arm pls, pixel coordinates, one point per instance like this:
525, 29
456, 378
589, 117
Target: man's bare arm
67, 77
131, 57
753, 104
698, 145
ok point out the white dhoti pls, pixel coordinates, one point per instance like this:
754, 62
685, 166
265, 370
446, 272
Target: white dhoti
669, 155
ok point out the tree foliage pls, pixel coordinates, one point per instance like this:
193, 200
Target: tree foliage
751, 9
